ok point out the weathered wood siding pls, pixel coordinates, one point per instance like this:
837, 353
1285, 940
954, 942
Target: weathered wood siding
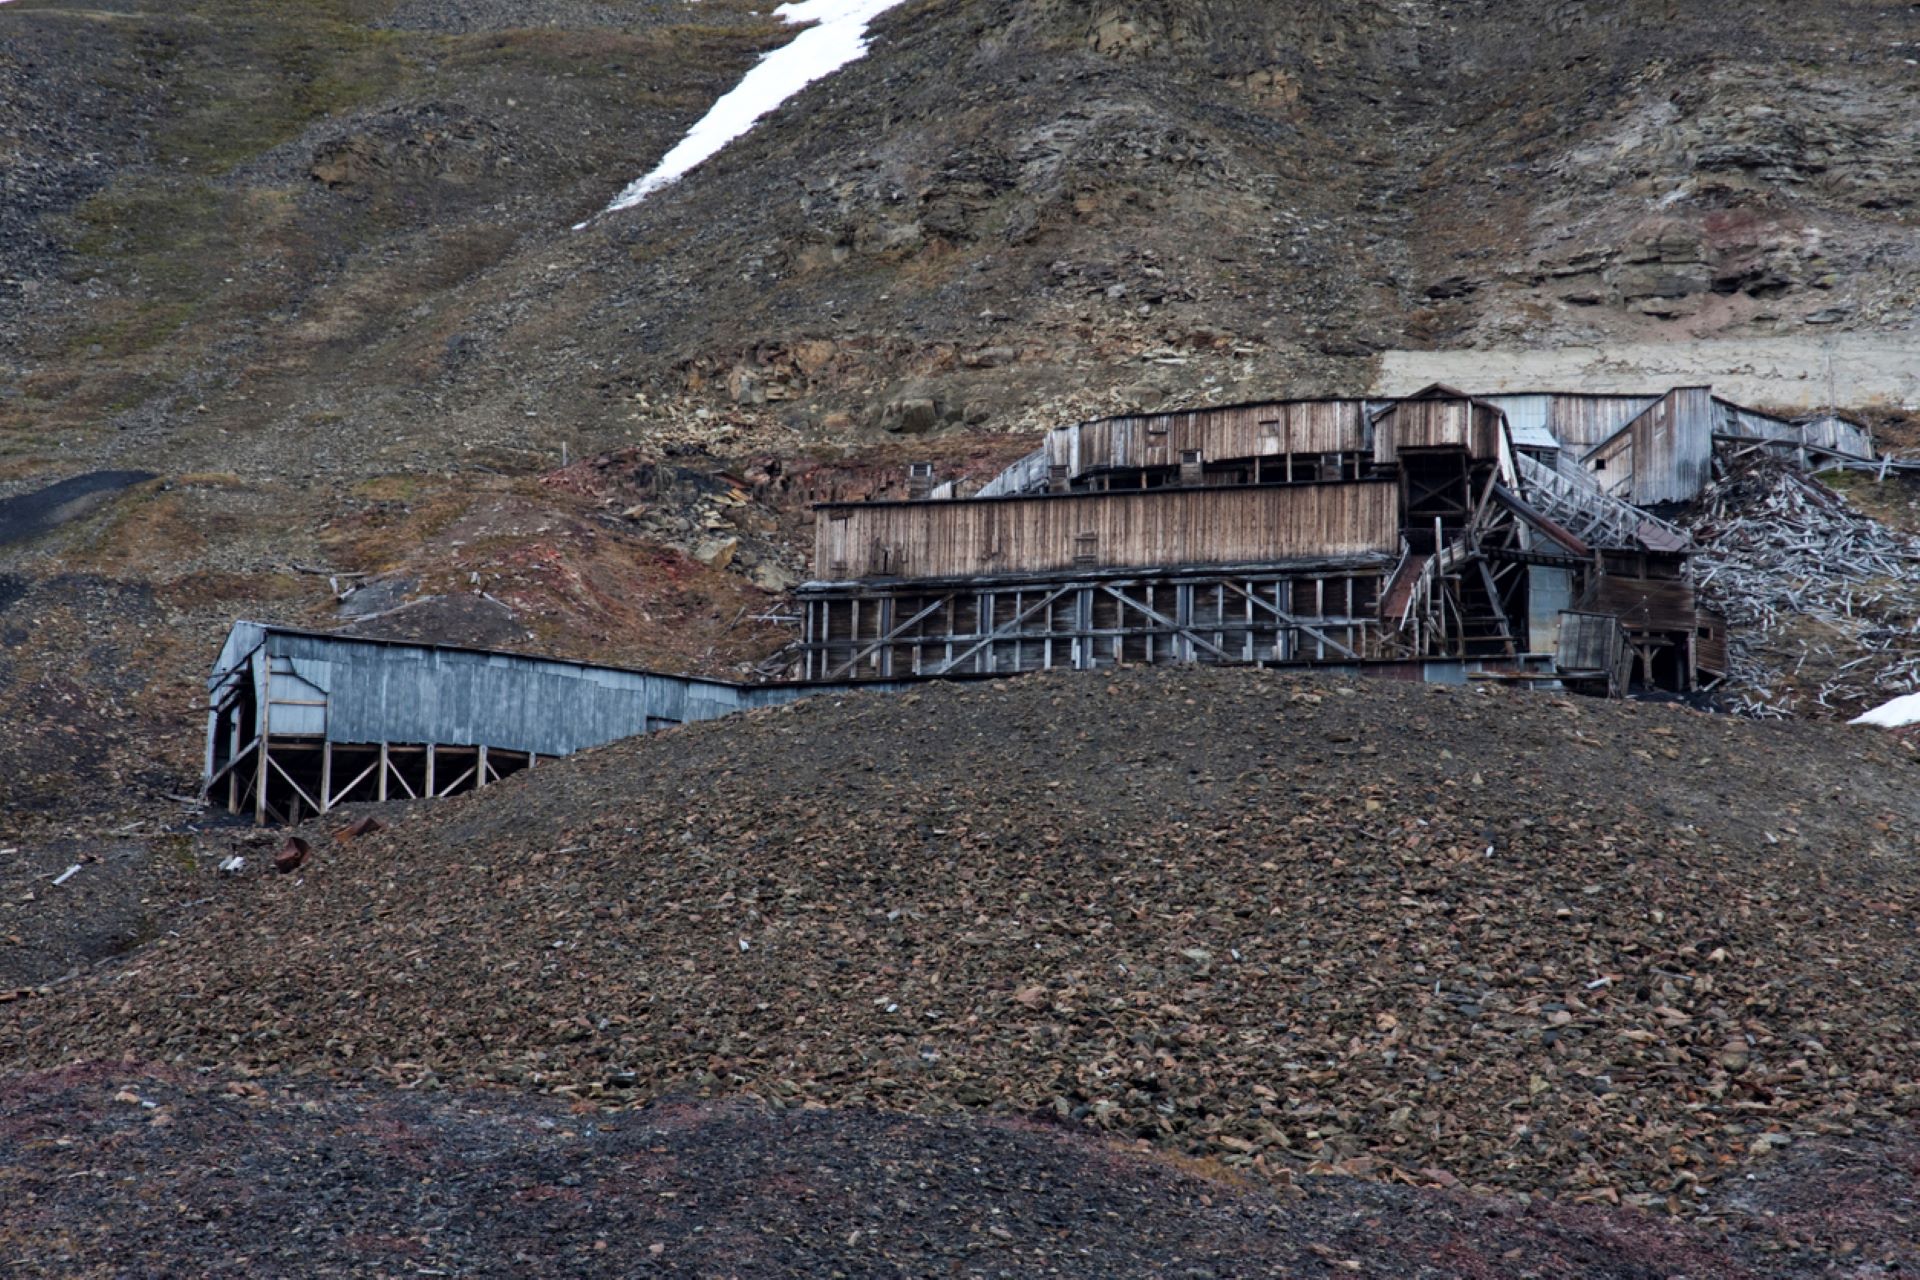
1652, 604
1153, 528
1665, 454
1824, 431
1239, 431
1586, 420
1438, 424
1839, 434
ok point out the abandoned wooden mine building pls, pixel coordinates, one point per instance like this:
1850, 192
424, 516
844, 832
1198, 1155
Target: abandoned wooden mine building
1518, 534
1442, 536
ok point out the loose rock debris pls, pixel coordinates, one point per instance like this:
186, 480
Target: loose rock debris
1605, 952
273, 1177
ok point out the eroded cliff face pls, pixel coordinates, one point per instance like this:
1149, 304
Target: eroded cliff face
1013, 211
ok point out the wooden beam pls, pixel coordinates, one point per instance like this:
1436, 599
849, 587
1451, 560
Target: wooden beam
398, 776
1294, 621
260, 785
229, 766
1165, 621
297, 788
1007, 627
335, 798
887, 636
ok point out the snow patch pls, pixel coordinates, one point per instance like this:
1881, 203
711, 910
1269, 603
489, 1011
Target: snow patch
1898, 714
838, 36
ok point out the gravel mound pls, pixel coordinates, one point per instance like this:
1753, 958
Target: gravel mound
1451, 936
263, 1178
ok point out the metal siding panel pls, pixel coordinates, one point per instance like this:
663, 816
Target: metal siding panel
1526, 420
1549, 593
386, 692
242, 640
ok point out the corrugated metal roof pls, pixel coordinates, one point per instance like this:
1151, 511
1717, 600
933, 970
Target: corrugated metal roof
360, 689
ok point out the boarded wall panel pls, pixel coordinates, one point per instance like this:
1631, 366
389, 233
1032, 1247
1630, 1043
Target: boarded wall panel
1838, 434
1654, 604
1239, 431
1439, 423
1586, 420
1155, 528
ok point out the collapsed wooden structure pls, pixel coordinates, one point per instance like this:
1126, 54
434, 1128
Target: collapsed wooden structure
1520, 532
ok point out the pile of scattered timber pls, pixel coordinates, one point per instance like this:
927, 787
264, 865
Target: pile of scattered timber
1823, 602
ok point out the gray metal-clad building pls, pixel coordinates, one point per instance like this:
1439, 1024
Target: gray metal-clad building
1664, 454
304, 718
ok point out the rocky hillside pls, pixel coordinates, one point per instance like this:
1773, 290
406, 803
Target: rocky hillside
313, 266
1006, 208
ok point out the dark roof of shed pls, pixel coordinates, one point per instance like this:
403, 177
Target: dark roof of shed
338, 637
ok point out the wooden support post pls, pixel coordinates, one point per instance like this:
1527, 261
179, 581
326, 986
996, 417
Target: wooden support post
430, 791
233, 758
330, 799
480, 766
260, 786
299, 793
384, 766
326, 776
266, 739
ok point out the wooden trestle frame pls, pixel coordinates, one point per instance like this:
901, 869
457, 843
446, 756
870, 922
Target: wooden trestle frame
881, 630
284, 778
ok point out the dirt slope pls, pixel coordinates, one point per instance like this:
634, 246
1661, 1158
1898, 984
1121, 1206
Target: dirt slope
1515, 941
489, 1184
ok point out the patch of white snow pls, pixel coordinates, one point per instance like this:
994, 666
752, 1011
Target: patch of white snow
838, 36
1898, 714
